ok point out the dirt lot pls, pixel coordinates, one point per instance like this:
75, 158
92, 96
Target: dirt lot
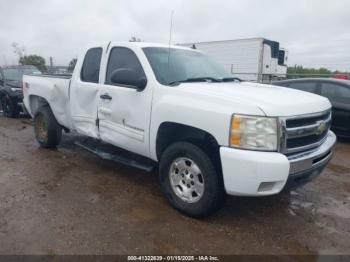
68, 201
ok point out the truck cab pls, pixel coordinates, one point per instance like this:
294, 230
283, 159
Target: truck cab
207, 133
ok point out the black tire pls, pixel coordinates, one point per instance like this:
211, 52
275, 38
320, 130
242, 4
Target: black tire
9, 107
213, 195
47, 131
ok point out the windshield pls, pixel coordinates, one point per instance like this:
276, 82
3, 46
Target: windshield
183, 66
16, 74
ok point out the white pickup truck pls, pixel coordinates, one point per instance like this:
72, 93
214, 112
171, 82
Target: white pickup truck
208, 133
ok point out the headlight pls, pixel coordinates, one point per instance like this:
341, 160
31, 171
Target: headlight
254, 133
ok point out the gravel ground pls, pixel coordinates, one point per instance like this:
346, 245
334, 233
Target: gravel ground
67, 201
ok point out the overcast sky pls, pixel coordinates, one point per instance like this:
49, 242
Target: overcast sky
316, 33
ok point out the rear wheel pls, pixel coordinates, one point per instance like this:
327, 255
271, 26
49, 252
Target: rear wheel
9, 107
190, 180
47, 131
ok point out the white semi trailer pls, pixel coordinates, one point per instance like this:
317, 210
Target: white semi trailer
254, 59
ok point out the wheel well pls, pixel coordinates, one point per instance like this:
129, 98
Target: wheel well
35, 102
170, 132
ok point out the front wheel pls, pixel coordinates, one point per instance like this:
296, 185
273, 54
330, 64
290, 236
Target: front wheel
190, 181
47, 131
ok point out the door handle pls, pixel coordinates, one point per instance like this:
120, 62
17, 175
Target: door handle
105, 111
106, 97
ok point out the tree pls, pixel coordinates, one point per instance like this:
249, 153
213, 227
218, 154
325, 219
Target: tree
72, 64
300, 71
35, 60
135, 39
18, 50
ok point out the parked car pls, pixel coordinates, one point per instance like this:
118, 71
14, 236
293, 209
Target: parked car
11, 94
209, 134
337, 91
341, 76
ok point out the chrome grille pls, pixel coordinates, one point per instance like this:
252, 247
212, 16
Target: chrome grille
303, 133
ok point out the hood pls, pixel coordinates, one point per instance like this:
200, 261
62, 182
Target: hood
14, 84
272, 100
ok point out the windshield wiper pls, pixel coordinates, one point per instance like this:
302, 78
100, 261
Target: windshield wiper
231, 79
196, 79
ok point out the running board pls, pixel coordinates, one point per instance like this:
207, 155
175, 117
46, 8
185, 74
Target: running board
141, 162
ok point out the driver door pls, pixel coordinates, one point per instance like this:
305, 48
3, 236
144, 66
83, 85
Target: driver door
123, 111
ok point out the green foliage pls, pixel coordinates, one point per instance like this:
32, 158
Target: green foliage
300, 72
35, 60
72, 64
135, 39
18, 50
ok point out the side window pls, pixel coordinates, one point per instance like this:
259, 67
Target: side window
91, 66
304, 86
336, 93
122, 58
1, 78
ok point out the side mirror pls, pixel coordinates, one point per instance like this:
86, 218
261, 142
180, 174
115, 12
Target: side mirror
128, 77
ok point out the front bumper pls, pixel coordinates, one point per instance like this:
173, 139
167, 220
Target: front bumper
255, 173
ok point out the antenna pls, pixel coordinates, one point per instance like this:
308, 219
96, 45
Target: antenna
5, 61
171, 29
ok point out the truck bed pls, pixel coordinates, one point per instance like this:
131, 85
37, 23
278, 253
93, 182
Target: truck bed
54, 89
63, 76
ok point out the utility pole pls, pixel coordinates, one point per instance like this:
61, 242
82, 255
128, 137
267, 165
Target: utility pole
51, 61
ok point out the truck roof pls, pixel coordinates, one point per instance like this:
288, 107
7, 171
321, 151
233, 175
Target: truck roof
141, 45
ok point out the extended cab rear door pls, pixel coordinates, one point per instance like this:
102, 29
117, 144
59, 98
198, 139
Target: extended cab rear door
84, 92
124, 112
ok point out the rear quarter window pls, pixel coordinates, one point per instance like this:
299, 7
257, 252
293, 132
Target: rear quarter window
91, 66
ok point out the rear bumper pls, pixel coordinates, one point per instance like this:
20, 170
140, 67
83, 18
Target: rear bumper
253, 173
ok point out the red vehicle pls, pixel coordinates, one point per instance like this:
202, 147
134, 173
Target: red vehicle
341, 76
